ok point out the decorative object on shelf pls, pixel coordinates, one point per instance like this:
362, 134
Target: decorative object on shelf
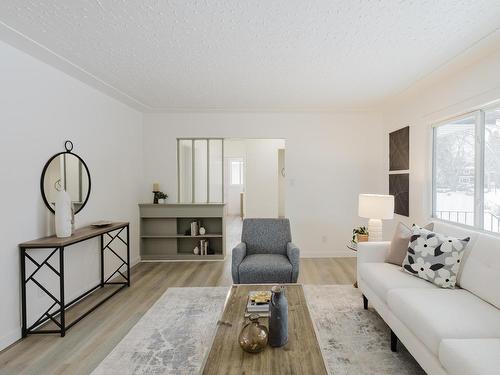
376, 207
63, 214
204, 247
194, 228
202, 231
196, 251
65, 171
159, 197
360, 234
253, 337
278, 317
101, 223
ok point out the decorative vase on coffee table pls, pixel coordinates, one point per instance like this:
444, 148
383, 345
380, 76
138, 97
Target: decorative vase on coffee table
278, 318
253, 337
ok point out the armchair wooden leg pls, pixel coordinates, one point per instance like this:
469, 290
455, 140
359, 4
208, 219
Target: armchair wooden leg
365, 302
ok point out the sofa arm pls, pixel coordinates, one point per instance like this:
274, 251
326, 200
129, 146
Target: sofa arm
239, 253
293, 253
373, 252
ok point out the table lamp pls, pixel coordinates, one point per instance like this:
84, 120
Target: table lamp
376, 207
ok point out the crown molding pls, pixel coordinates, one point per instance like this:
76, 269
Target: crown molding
25, 44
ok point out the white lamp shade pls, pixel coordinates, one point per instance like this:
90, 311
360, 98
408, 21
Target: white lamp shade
376, 206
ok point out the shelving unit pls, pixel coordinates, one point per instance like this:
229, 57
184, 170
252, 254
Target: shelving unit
163, 229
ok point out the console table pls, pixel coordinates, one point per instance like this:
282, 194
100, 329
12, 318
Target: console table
58, 245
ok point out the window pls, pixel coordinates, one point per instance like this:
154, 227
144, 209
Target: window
199, 170
492, 171
454, 165
236, 170
466, 170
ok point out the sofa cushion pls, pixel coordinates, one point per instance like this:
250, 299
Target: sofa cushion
481, 270
266, 236
382, 277
471, 356
434, 257
458, 232
265, 268
400, 242
436, 314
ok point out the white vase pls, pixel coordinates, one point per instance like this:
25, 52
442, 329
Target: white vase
63, 214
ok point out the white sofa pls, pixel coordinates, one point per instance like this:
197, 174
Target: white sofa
448, 331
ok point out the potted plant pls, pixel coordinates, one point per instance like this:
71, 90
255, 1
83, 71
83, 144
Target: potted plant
360, 234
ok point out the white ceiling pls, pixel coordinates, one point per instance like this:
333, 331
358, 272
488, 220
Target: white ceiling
252, 55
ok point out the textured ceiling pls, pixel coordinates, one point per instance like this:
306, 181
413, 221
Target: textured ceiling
254, 55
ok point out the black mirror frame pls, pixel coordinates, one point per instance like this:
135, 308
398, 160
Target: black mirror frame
42, 189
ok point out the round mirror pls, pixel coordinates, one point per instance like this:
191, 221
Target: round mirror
65, 171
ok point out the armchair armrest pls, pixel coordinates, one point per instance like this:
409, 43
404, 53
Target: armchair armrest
373, 252
239, 253
293, 253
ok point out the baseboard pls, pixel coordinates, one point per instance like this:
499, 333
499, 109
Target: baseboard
333, 254
10, 338
135, 261
180, 260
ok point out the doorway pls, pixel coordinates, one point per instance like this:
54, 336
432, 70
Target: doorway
254, 182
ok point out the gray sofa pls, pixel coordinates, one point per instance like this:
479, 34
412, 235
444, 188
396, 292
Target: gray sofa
266, 253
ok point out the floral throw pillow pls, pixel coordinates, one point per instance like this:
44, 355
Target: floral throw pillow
434, 257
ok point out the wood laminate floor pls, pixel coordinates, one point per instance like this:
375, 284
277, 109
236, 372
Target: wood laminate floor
89, 342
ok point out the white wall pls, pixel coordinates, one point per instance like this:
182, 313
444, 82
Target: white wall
262, 177
432, 100
41, 108
233, 149
330, 159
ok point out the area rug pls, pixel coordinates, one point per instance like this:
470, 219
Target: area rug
354, 341
174, 335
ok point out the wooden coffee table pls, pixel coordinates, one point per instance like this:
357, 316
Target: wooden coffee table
301, 355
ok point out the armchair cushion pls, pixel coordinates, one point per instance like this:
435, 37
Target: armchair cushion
265, 268
266, 236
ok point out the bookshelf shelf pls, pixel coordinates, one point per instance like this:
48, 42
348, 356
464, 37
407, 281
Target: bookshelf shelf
162, 227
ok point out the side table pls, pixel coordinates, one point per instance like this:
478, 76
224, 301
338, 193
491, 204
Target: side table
354, 247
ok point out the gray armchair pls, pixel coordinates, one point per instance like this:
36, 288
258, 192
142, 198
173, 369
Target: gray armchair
266, 253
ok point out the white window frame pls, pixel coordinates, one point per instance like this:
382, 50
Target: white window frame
479, 165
